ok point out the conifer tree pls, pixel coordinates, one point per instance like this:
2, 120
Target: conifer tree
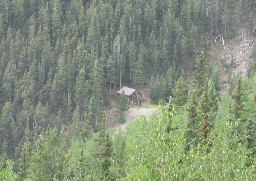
237, 111
192, 131
28, 87
70, 73
138, 76
169, 81
76, 123
82, 162
81, 91
158, 92
7, 127
59, 86
204, 131
251, 140
47, 158
93, 110
105, 154
207, 110
121, 160
122, 103
56, 22
91, 39
118, 58
131, 51
9, 82
213, 99
5, 23
198, 110
201, 73
110, 73
237, 106
40, 118
24, 161
97, 82
215, 78
180, 92
204, 103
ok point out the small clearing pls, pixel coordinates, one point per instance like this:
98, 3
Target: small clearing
134, 113
145, 109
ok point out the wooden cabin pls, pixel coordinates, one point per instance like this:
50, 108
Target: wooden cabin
133, 96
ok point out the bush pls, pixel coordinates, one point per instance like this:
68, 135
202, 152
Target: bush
121, 120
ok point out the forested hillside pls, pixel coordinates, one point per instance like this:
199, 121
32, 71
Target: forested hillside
61, 61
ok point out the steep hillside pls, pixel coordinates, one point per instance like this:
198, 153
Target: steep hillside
61, 59
233, 57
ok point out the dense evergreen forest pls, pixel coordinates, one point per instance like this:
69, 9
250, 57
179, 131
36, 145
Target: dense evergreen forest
61, 61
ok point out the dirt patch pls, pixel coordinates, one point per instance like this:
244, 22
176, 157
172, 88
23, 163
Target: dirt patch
131, 115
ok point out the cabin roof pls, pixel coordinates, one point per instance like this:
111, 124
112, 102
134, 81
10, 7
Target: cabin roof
126, 90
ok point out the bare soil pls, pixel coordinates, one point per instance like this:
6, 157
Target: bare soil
132, 115
233, 58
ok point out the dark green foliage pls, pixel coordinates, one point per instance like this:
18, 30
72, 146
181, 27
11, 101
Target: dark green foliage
208, 103
251, 140
121, 120
47, 159
81, 90
122, 103
201, 73
121, 160
202, 106
93, 111
9, 82
237, 113
157, 92
105, 156
162, 87
7, 129
97, 82
192, 130
208, 107
237, 107
82, 162
180, 92
215, 78
149, 148
250, 127
24, 161
139, 75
